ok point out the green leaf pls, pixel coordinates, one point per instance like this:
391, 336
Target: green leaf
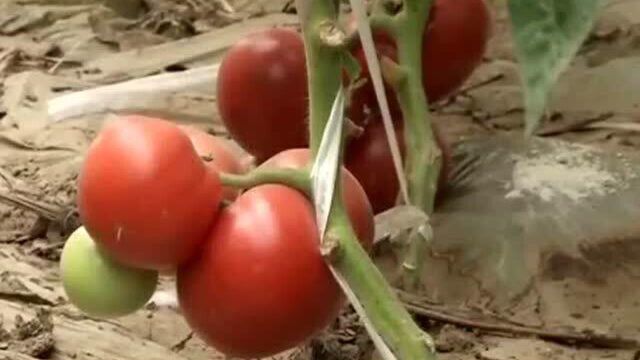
547, 34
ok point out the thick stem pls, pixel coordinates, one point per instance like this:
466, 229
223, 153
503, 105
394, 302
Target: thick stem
324, 64
383, 309
423, 157
405, 339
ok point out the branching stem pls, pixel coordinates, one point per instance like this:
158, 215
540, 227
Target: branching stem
423, 156
392, 322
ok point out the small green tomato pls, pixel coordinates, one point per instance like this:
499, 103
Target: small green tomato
97, 285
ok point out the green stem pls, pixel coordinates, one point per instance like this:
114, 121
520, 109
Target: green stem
298, 179
423, 157
382, 307
405, 339
323, 80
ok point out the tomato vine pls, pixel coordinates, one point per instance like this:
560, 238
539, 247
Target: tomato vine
390, 320
349, 228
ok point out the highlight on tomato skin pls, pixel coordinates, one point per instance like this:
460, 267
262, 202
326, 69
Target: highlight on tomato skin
262, 92
355, 198
99, 286
260, 285
145, 195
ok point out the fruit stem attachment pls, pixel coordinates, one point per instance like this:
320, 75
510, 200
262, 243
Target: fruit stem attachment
423, 156
295, 178
389, 323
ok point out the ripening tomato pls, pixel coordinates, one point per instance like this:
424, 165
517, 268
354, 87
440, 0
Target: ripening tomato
260, 284
454, 42
217, 154
145, 195
262, 92
369, 160
355, 198
99, 286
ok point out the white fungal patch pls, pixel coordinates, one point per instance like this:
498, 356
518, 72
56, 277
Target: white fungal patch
569, 170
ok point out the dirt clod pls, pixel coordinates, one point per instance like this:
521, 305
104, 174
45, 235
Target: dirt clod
453, 339
33, 337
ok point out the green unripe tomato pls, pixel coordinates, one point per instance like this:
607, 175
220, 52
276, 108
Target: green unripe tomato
99, 286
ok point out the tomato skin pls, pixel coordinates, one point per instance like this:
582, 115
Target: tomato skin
262, 92
454, 43
144, 194
369, 160
99, 286
364, 104
260, 284
220, 157
355, 198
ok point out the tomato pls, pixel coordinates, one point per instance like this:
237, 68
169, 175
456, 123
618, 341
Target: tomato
262, 92
99, 286
369, 159
364, 104
217, 154
260, 284
354, 196
145, 195
454, 43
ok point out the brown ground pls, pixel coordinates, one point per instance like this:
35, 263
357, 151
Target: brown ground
50, 47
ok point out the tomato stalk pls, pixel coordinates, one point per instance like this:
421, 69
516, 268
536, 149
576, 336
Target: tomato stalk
295, 178
349, 261
423, 158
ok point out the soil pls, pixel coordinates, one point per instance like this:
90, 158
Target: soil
50, 48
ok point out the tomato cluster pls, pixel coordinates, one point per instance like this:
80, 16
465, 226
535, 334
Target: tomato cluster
147, 201
265, 106
251, 278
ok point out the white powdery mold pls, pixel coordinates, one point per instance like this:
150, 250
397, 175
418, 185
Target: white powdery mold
570, 170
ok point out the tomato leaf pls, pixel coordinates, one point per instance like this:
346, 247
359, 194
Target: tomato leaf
326, 165
547, 35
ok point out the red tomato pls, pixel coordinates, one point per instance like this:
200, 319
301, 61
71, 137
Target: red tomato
454, 43
262, 92
369, 159
364, 104
260, 284
144, 194
355, 198
218, 155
